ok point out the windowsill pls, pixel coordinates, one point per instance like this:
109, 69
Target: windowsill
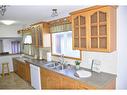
27, 44
68, 57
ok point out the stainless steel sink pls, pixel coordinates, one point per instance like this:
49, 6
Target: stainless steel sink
61, 67
53, 64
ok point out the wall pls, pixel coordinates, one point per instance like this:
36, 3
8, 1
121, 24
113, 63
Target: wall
108, 60
1, 46
9, 31
7, 45
122, 48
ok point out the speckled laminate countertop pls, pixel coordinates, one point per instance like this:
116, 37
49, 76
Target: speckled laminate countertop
97, 80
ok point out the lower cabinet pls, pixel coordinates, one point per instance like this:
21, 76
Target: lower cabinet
53, 80
49, 80
27, 73
22, 69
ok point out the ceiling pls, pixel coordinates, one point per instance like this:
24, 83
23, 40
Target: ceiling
25, 15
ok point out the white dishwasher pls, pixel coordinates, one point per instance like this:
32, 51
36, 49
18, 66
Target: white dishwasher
35, 76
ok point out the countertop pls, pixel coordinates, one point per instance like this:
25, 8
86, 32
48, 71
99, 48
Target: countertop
97, 80
2, 55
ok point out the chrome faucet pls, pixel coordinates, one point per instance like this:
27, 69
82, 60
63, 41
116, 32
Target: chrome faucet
92, 64
61, 59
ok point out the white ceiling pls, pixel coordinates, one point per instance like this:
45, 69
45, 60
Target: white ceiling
25, 15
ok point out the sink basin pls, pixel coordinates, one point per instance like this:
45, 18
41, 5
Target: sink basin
60, 67
52, 65
83, 73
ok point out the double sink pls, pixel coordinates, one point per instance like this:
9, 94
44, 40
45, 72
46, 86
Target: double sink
57, 66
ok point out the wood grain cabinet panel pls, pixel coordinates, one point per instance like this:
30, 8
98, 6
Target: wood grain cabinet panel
79, 32
27, 73
53, 80
94, 29
22, 69
40, 35
50, 80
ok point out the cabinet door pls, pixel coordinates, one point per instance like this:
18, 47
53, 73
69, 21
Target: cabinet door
33, 36
82, 29
79, 32
50, 80
15, 66
98, 31
44, 76
54, 82
39, 33
76, 32
27, 73
23, 71
69, 83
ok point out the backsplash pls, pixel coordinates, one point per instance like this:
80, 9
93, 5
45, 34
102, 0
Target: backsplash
108, 60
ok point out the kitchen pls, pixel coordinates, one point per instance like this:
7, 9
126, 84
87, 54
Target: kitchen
76, 49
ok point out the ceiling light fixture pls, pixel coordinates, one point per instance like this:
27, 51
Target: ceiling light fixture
2, 9
7, 22
54, 13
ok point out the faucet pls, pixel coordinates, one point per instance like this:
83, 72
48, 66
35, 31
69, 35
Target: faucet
92, 64
61, 59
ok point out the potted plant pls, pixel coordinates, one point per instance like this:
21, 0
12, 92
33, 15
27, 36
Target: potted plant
77, 63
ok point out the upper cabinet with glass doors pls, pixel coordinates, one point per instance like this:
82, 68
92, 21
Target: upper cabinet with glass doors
40, 35
94, 29
79, 32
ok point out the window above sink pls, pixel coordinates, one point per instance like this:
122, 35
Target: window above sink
62, 44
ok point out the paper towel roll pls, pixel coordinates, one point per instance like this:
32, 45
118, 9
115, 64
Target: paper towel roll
49, 58
40, 53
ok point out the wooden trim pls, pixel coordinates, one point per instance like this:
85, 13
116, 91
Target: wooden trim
59, 21
90, 8
38, 23
69, 57
64, 56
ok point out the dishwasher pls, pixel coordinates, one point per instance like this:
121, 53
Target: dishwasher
35, 77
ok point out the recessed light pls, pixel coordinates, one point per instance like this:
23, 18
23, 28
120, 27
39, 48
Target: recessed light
7, 22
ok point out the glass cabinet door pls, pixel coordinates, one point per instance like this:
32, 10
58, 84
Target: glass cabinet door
39, 31
82, 32
94, 30
98, 31
102, 30
76, 32
33, 36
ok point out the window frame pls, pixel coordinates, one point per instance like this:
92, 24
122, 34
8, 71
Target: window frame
64, 56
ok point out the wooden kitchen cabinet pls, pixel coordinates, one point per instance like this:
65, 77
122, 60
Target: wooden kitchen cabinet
15, 67
53, 80
94, 29
40, 35
27, 73
79, 32
50, 80
22, 69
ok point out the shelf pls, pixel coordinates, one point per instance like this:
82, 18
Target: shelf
76, 37
94, 36
83, 37
82, 26
93, 24
76, 26
102, 23
101, 36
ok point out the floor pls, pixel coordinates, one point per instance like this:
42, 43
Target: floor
13, 82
